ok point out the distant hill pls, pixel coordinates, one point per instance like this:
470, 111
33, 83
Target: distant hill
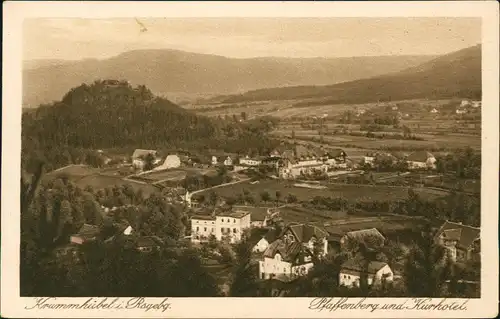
34, 64
457, 74
172, 71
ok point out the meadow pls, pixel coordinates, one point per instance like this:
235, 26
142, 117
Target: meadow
347, 191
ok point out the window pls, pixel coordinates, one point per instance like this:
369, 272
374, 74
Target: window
235, 230
222, 229
205, 229
222, 220
234, 220
197, 228
213, 229
284, 269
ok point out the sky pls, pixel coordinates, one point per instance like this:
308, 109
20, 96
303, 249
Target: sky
74, 39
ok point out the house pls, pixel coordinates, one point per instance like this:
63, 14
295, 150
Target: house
147, 244
421, 160
461, 111
370, 238
230, 224
434, 111
250, 161
376, 159
462, 241
464, 103
264, 242
476, 104
336, 157
394, 108
214, 160
301, 161
369, 159
85, 234
115, 83
171, 161
139, 155
263, 220
375, 271
360, 112
228, 161
122, 230
202, 227
290, 169
285, 262
291, 255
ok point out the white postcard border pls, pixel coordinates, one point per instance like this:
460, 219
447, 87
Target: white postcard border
14, 12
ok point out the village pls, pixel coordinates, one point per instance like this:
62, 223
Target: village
229, 198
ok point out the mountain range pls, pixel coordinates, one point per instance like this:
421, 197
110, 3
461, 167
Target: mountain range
457, 74
171, 71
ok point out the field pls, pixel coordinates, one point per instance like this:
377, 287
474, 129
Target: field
84, 176
349, 192
363, 144
102, 181
73, 171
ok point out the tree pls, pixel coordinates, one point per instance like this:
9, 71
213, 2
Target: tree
406, 131
265, 196
426, 268
149, 162
278, 196
244, 276
291, 198
322, 280
212, 198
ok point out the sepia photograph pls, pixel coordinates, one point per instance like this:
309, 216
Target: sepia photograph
224, 156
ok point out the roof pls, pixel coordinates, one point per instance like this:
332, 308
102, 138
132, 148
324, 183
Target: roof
336, 152
256, 235
356, 264
304, 232
140, 152
234, 214
385, 156
385, 225
271, 235
203, 217
310, 165
257, 213
148, 241
468, 234
399, 155
288, 252
88, 230
419, 156
363, 236
452, 234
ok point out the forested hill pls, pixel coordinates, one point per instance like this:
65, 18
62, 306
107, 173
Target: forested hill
113, 114
103, 116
